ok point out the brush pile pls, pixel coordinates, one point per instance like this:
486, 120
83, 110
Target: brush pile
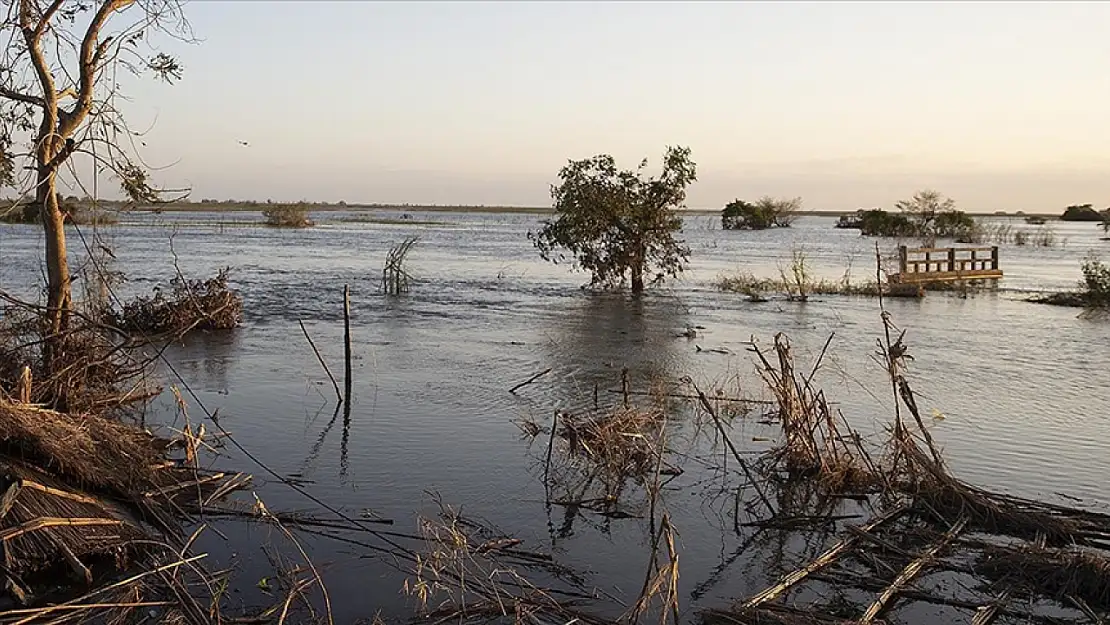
92, 371
189, 305
935, 540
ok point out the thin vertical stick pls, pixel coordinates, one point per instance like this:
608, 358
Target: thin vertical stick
624, 385
550, 446
347, 344
331, 377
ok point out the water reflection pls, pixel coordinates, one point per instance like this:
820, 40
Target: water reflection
592, 342
206, 358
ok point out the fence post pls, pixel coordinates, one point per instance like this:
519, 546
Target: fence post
902, 257
994, 257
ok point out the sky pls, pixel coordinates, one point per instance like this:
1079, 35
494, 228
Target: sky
1000, 105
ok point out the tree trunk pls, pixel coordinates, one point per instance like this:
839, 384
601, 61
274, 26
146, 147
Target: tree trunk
637, 278
58, 300
638, 260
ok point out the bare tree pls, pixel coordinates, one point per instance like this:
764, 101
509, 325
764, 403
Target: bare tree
60, 68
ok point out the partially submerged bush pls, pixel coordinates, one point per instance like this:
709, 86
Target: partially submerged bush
879, 223
1096, 280
1082, 212
75, 213
287, 215
190, 305
1094, 290
766, 212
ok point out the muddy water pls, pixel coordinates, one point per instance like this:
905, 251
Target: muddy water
1017, 393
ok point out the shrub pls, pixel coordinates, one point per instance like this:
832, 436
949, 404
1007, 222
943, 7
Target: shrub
1081, 212
287, 215
879, 223
766, 212
29, 213
1096, 281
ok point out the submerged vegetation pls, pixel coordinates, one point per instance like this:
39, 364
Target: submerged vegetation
188, 305
73, 212
395, 278
287, 215
1094, 289
1083, 212
927, 215
766, 212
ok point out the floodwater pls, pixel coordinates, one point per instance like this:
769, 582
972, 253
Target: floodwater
1017, 393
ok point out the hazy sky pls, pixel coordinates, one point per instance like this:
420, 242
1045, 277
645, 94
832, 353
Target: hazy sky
1000, 105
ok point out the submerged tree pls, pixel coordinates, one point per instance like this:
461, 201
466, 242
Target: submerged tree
766, 212
58, 93
619, 224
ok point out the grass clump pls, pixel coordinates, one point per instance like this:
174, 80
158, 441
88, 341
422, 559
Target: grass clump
287, 215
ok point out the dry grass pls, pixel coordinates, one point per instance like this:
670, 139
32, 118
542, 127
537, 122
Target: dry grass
624, 443
83, 448
470, 572
1066, 575
817, 442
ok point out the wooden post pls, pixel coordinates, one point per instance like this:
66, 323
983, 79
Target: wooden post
347, 345
952, 259
994, 257
903, 256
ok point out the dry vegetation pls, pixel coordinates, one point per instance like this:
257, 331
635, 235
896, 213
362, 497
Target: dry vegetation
189, 305
287, 215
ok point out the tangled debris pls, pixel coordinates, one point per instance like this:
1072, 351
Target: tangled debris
189, 305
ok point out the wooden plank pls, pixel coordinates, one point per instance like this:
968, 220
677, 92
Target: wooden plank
834, 552
923, 250
946, 276
911, 571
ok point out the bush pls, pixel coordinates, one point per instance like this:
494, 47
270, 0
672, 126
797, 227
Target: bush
191, 305
287, 215
1081, 212
879, 223
766, 212
957, 225
1096, 281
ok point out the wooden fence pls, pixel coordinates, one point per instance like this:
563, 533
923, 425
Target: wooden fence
944, 264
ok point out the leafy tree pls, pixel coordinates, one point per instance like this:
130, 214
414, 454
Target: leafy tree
58, 90
619, 224
766, 212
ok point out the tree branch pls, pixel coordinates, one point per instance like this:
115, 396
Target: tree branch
47, 16
90, 53
21, 97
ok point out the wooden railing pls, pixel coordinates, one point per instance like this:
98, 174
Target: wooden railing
938, 264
